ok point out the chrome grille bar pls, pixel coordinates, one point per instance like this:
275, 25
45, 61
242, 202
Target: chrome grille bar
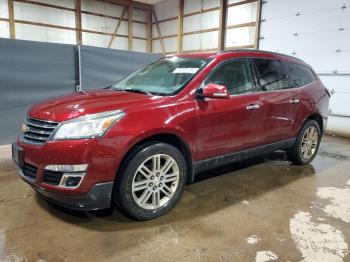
39, 131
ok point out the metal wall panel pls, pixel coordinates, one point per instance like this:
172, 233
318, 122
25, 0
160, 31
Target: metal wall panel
139, 45
156, 48
4, 11
192, 6
94, 6
210, 40
139, 30
4, 29
233, 1
64, 3
121, 43
241, 14
309, 31
139, 14
304, 23
203, 21
166, 9
207, 40
198, 5
240, 36
42, 14
101, 8
339, 103
45, 34
154, 31
168, 27
97, 40
284, 8
210, 19
103, 24
170, 45
210, 4
192, 23
191, 42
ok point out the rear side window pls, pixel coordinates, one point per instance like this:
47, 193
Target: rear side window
299, 75
271, 75
235, 75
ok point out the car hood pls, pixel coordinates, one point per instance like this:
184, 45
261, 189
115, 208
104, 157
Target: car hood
81, 103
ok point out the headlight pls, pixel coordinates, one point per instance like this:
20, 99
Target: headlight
88, 126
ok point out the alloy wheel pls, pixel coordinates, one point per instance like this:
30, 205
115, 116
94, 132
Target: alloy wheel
155, 181
309, 142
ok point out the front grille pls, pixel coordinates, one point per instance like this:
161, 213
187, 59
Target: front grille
29, 171
38, 131
52, 177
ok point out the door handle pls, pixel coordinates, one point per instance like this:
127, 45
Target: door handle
253, 107
294, 101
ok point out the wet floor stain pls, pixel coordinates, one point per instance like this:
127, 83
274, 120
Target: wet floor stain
333, 155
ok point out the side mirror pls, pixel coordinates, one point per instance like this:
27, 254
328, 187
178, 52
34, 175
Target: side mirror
213, 91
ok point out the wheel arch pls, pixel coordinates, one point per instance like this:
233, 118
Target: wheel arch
169, 138
318, 118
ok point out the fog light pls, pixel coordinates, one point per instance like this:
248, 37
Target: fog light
71, 180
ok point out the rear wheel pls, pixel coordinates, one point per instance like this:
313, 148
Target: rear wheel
151, 182
306, 145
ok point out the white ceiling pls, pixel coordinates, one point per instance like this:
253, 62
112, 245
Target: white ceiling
152, 2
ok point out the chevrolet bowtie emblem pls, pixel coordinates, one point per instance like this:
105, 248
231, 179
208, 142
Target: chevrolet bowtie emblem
24, 128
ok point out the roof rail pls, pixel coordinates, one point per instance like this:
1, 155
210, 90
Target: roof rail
258, 51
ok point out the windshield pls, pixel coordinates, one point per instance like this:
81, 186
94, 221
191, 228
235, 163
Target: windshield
163, 77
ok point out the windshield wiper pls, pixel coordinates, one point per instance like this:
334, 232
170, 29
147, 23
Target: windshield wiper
134, 90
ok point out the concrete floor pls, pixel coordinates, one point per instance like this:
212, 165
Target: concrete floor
259, 210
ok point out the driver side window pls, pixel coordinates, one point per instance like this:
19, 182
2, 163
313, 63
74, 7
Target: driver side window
235, 75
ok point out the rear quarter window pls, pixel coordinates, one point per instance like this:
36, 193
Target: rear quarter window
271, 75
299, 75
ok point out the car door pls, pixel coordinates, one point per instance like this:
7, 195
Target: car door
279, 98
233, 124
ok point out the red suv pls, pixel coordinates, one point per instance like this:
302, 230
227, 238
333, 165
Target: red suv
138, 142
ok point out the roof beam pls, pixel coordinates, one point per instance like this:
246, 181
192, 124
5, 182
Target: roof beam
117, 28
257, 25
149, 31
158, 30
129, 3
222, 24
79, 33
11, 19
130, 33
180, 26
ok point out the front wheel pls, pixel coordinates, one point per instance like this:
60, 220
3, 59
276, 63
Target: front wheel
151, 181
306, 145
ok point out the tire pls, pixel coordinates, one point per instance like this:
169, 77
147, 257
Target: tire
150, 181
302, 144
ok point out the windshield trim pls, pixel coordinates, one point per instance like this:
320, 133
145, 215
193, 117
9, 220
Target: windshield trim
207, 61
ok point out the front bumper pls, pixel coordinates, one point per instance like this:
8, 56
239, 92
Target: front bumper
95, 190
99, 197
